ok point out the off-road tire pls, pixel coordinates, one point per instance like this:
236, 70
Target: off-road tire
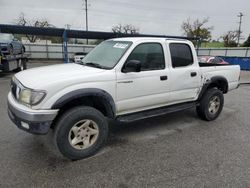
68, 120
203, 109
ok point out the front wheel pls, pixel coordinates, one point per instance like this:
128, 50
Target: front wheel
81, 132
211, 104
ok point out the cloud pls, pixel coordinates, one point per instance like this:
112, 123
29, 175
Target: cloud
152, 17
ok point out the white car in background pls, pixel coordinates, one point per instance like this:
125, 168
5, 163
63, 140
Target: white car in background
78, 56
212, 59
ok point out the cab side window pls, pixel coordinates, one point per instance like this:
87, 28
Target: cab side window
181, 55
150, 55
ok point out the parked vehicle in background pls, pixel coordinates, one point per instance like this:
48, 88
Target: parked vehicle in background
124, 79
78, 56
10, 45
212, 59
15, 63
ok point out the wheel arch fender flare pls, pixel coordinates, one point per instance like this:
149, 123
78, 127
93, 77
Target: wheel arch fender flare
104, 96
218, 81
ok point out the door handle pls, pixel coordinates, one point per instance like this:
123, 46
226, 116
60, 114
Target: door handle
125, 82
163, 77
193, 74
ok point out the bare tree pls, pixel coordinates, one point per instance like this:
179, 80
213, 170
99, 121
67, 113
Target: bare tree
197, 29
127, 29
230, 38
22, 20
117, 28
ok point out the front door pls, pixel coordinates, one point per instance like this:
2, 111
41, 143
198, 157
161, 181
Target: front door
148, 88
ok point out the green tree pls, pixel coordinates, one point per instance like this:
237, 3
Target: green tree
197, 29
247, 42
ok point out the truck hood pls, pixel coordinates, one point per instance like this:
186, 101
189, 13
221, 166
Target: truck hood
36, 78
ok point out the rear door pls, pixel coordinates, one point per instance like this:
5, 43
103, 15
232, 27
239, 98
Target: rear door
184, 73
148, 88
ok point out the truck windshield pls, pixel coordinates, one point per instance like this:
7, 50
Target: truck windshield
107, 54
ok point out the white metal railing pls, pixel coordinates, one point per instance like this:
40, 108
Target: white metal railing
228, 52
55, 51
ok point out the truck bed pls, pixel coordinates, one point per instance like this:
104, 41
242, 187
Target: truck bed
212, 64
230, 72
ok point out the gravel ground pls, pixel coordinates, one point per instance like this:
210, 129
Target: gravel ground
175, 150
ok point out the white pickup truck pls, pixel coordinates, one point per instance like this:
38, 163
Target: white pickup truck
125, 79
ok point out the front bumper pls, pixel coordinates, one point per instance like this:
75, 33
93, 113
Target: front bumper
32, 121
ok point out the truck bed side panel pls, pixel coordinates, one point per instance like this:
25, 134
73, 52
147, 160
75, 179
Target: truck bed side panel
231, 73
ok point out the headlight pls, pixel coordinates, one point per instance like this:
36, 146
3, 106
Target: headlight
31, 97
26, 95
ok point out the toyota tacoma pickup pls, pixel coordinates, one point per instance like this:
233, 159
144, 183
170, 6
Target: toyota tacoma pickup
125, 79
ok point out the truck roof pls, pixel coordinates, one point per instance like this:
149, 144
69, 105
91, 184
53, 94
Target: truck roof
136, 39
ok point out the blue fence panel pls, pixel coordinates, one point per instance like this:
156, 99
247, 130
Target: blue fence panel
244, 62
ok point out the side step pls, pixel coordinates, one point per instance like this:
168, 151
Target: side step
155, 112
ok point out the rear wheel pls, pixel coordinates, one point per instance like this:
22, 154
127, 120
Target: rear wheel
81, 132
211, 104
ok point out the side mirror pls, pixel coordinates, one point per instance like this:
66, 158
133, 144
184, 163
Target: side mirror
132, 66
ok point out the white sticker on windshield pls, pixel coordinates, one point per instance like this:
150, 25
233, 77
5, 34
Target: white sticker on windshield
120, 45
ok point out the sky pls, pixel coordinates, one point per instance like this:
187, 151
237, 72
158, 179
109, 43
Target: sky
151, 17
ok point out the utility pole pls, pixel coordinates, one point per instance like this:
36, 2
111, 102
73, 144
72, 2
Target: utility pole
86, 16
240, 16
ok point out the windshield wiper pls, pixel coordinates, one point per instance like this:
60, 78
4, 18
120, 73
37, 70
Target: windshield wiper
96, 65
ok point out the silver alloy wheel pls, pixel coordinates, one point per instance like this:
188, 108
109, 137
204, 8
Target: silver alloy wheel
83, 134
214, 105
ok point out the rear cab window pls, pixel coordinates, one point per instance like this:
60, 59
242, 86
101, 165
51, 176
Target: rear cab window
181, 55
